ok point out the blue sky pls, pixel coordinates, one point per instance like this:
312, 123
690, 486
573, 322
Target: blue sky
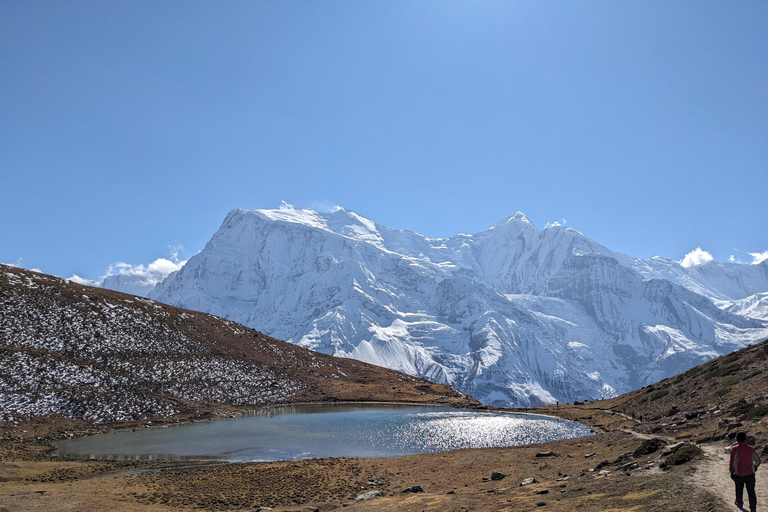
130, 128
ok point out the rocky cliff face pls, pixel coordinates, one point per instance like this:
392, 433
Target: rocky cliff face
512, 315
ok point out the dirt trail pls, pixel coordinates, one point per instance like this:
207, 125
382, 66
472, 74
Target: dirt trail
712, 474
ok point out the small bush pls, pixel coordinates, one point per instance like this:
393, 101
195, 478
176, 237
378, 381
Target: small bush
685, 453
648, 446
722, 371
660, 394
720, 392
758, 412
741, 408
749, 410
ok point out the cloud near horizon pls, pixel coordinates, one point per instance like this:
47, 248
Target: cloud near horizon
554, 224
150, 275
758, 257
697, 256
140, 276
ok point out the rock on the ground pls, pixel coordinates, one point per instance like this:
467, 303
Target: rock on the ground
368, 495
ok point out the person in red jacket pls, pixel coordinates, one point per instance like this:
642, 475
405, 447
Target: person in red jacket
744, 463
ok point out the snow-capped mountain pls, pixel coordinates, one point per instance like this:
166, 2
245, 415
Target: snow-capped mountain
513, 315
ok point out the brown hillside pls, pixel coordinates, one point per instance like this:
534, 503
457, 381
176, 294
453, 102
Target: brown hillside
710, 402
100, 356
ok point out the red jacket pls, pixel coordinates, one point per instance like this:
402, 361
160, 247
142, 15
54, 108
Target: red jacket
744, 459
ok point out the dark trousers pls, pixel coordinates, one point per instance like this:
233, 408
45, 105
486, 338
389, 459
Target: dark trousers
749, 481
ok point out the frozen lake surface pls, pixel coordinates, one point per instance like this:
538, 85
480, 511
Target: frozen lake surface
309, 431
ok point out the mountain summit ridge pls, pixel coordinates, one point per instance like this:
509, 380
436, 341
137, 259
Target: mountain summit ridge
513, 315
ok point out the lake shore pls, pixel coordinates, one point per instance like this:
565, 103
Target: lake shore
569, 478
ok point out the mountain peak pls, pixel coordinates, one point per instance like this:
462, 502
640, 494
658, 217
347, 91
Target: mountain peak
517, 219
340, 221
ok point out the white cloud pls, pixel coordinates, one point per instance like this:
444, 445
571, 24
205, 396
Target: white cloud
325, 207
151, 274
758, 257
81, 280
137, 279
554, 224
696, 257
285, 206
141, 275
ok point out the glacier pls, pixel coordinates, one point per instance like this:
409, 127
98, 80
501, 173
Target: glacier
512, 315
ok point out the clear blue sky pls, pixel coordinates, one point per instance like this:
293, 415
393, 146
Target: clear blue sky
127, 127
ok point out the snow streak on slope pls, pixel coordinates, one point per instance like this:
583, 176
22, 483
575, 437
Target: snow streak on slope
512, 315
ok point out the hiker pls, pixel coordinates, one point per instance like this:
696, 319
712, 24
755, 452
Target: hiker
744, 463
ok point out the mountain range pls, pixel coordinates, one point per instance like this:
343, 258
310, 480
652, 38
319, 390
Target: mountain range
512, 315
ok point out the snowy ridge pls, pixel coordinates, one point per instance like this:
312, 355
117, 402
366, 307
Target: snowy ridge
512, 315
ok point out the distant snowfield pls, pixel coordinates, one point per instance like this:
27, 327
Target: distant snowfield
513, 315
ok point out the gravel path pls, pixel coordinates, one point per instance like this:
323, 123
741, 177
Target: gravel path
712, 474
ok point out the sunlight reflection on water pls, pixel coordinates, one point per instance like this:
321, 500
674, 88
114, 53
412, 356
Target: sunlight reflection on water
451, 430
328, 431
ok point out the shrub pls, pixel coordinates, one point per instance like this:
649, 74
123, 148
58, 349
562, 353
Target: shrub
685, 453
648, 446
659, 394
749, 410
722, 371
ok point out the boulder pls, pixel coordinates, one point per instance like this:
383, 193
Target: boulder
367, 496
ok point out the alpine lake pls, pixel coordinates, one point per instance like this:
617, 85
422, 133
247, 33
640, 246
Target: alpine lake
314, 431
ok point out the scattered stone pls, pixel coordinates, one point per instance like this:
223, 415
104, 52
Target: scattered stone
542, 491
604, 472
547, 454
529, 481
497, 475
672, 449
415, 488
375, 481
367, 496
630, 466
541, 504
588, 455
